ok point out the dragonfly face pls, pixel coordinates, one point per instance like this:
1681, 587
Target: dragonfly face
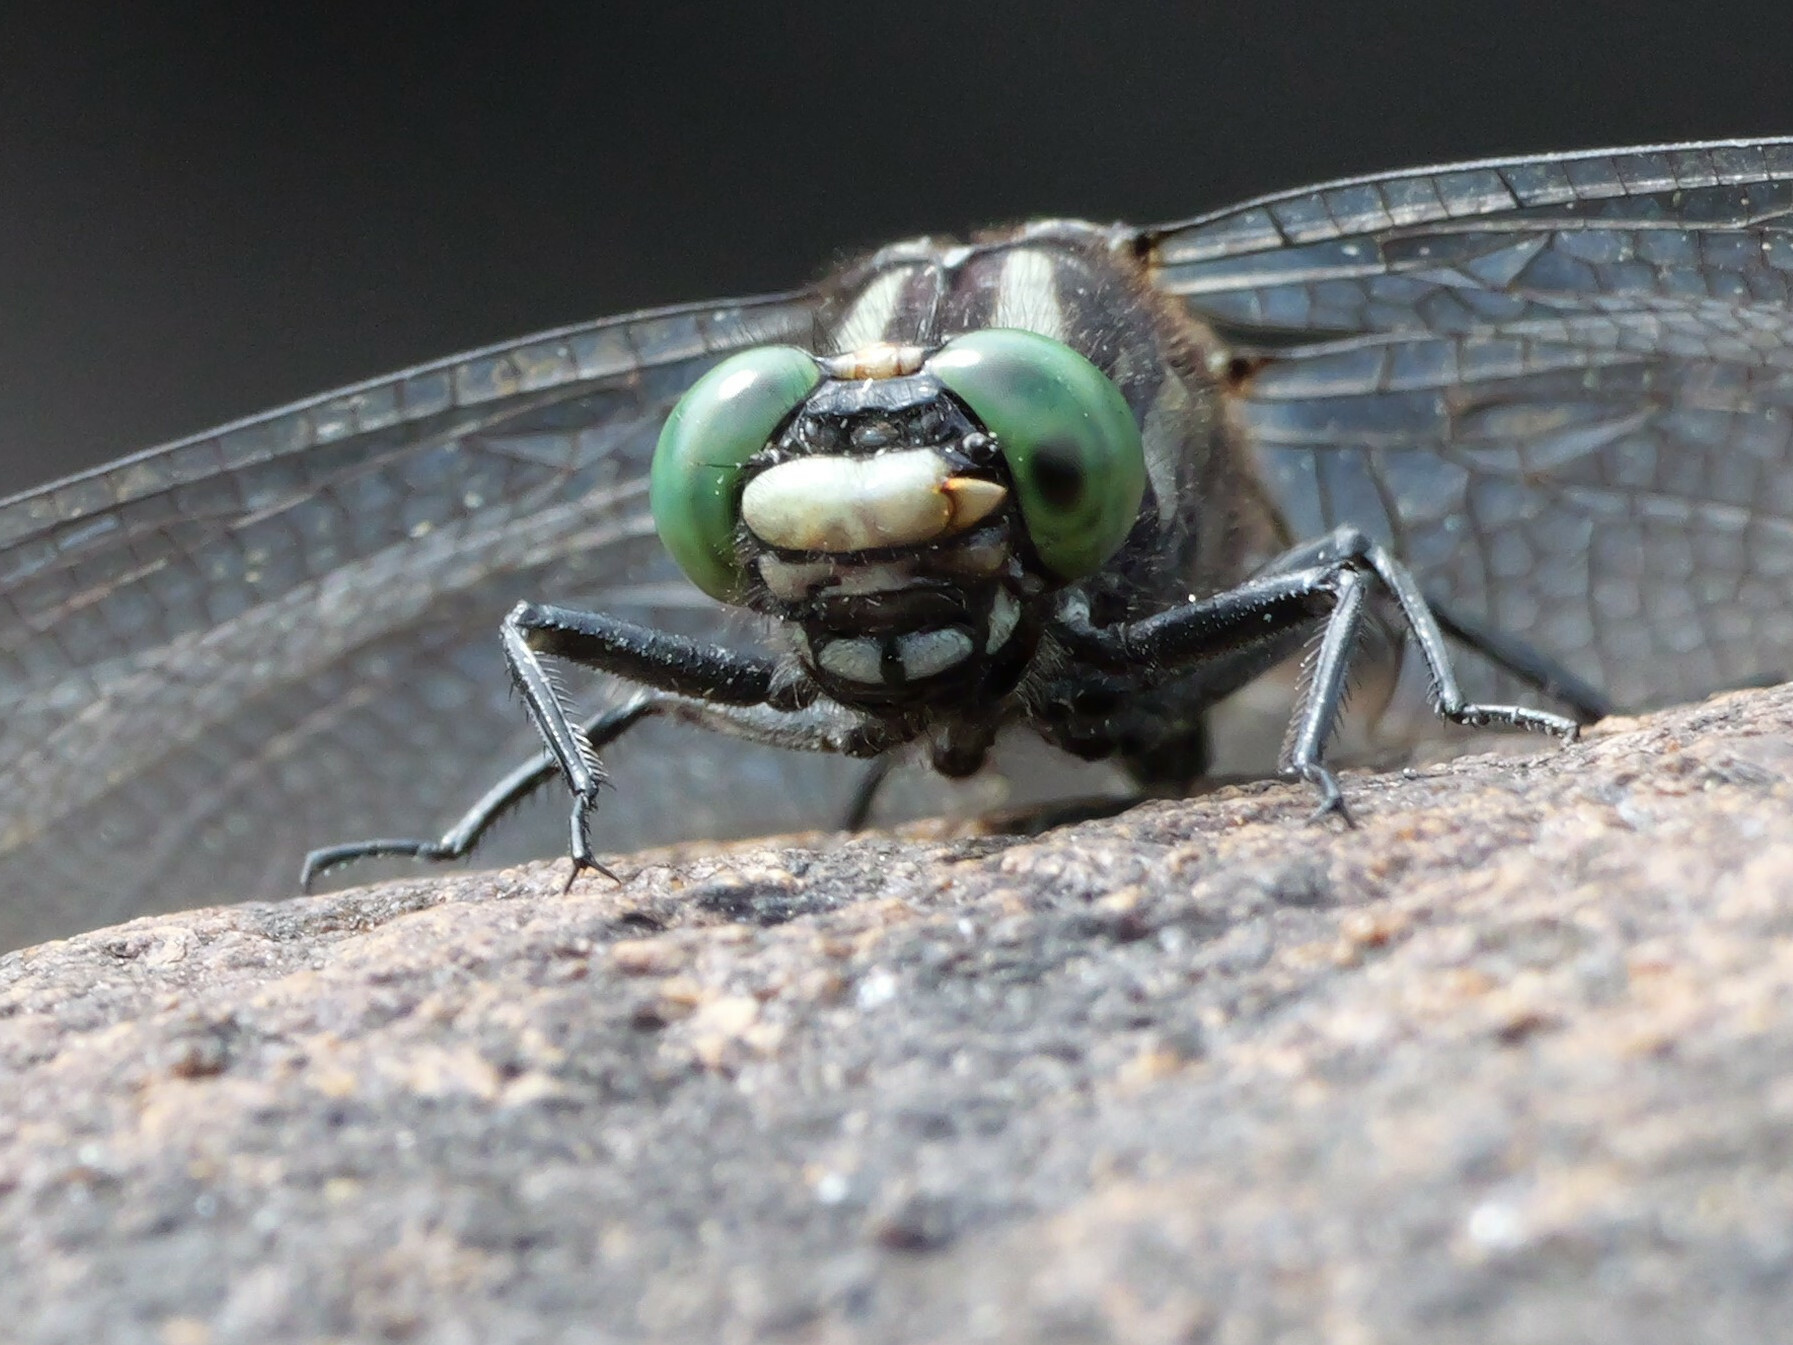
864, 502
898, 567
1550, 392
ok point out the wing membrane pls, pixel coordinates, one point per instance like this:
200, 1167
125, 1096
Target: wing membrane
219, 653
1562, 387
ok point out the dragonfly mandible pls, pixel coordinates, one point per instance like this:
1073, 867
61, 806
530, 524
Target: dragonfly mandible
1530, 414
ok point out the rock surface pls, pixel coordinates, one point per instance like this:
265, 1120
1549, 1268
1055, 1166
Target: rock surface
1512, 1060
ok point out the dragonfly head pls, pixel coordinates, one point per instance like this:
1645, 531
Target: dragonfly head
903, 508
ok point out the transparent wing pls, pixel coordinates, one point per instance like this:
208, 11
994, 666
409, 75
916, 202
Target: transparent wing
222, 652
1562, 387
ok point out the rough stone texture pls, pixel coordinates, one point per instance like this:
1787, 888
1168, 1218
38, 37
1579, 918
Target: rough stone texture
1511, 1061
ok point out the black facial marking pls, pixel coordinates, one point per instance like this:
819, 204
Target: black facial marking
890, 665
861, 416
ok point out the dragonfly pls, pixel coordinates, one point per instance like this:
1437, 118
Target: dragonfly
1516, 429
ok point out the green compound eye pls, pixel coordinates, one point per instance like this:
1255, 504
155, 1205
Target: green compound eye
725, 417
1067, 436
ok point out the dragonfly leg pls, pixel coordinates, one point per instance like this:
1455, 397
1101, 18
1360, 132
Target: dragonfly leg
1447, 696
1330, 679
1169, 668
1359, 558
1262, 611
667, 663
1225, 630
1325, 580
1428, 624
1586, 702
821, 726
859, 808
516, 785
715, 688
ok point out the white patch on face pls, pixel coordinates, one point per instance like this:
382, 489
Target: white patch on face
1005, 615
853, 661
849, 504
1027, 295
869, 318
839, 504
928, 652
856, 579
980, 559
792, 580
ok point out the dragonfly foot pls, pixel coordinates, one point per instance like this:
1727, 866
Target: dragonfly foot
580, 866
580, 849
1332, 798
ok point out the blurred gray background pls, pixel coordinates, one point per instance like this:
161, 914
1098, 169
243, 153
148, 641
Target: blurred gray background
208, 209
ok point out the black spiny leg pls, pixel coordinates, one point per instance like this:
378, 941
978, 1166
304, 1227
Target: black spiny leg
1327, 580
665, 662
742, 695
1430, 620
517, 784
1358, 551
1326, 695
1531, 666
859, 808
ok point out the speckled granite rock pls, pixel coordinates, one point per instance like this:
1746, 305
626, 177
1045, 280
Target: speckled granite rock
1511, 1061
